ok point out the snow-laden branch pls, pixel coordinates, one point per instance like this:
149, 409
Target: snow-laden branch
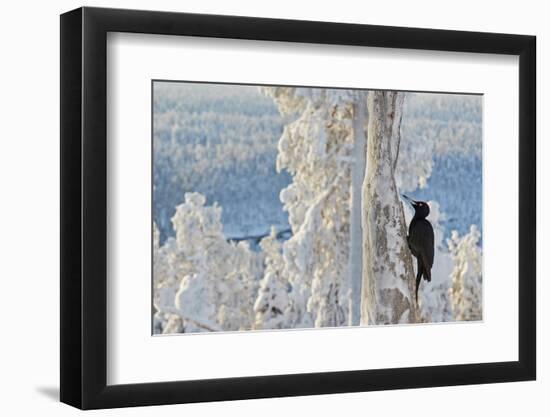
315, 148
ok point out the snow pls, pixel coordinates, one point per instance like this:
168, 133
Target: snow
220, 141
312, 148
466, 291
193, 301
202, 282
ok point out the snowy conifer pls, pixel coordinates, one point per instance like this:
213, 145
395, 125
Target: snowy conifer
466, 290
316, 149
209, 283
272, 307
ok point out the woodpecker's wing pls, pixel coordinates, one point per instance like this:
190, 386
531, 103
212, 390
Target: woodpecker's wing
421, 241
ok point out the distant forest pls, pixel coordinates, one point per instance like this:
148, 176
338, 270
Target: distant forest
221, 141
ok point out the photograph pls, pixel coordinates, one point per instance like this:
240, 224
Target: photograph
297, 207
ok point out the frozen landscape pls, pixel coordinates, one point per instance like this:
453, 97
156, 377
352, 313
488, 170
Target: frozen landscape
238, 177
221, 141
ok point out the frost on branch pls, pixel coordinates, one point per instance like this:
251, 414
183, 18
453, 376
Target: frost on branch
202, 282
466, 290
316, 149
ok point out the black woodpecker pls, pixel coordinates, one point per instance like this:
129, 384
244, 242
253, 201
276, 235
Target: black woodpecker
421, 240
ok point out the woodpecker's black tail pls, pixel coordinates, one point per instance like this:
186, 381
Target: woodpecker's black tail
418, 278
428, 274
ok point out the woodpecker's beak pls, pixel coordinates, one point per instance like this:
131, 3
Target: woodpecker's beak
409, 200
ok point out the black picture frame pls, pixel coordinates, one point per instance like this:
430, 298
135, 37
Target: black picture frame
84, 207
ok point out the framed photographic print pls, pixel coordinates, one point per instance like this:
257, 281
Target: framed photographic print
257, 207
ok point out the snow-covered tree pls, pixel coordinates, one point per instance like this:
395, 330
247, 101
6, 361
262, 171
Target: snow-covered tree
387, 265
466, 290
317, 149
272, 307
202, 282
324, 150
166, 279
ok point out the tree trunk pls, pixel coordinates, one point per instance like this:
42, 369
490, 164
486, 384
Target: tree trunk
357, 174
388, 277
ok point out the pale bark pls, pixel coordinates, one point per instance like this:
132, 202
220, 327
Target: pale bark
388, 277
357, 174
